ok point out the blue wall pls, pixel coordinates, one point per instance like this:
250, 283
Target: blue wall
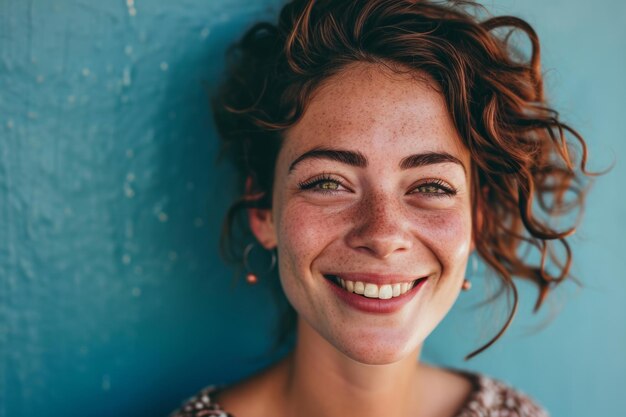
113, 300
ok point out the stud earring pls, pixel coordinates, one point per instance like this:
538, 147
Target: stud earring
251, 277
467, 284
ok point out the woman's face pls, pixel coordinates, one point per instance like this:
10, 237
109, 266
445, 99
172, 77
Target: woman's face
371, 185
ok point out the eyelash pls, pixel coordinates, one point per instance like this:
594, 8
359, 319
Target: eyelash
448, 190
310, 184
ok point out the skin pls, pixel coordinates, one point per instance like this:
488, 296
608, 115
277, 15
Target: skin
378, 219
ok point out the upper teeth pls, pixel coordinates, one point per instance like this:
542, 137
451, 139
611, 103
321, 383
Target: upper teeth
384, 292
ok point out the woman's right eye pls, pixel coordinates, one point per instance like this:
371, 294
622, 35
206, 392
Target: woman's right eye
323, 184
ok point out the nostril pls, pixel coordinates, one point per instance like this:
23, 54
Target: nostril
381, 238
384, 248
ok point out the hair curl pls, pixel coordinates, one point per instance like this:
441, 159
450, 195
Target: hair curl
522, 164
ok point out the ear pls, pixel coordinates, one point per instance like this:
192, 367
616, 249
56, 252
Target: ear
478, 217
261, 221
262, 226
477, 225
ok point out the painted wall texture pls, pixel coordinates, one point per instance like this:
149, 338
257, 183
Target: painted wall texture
113, 299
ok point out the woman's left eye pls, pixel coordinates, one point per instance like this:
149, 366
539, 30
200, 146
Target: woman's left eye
435, 188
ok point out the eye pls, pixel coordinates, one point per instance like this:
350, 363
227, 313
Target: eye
322, 184
434, 188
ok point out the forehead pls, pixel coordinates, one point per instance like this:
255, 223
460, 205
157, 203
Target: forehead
377, 111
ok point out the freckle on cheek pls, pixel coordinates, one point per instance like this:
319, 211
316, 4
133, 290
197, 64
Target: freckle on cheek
441, 225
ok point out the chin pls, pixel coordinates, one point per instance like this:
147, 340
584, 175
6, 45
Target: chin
378, 349
380, 354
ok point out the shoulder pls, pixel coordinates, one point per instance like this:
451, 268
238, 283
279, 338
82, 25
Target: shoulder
488, 397
493, 397
201, 404
254, 395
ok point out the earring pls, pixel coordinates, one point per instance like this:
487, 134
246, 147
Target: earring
251, 277
467, 284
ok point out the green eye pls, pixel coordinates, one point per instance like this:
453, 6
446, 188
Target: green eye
322, 184
430, 189
328, 185
435, 188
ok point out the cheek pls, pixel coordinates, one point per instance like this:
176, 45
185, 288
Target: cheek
448, 235
304, 234
304, 230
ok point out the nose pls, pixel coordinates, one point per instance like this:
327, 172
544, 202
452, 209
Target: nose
381, 227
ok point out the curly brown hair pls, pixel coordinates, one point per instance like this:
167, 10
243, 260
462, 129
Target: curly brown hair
523, 166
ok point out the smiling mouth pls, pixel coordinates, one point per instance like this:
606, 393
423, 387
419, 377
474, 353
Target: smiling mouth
370, 290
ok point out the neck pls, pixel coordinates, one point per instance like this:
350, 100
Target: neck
322, 381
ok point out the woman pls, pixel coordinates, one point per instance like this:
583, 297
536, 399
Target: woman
380, 143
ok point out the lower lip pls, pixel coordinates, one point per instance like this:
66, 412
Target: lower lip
375, 305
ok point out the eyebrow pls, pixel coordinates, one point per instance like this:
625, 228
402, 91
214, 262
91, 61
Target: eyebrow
357, 159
